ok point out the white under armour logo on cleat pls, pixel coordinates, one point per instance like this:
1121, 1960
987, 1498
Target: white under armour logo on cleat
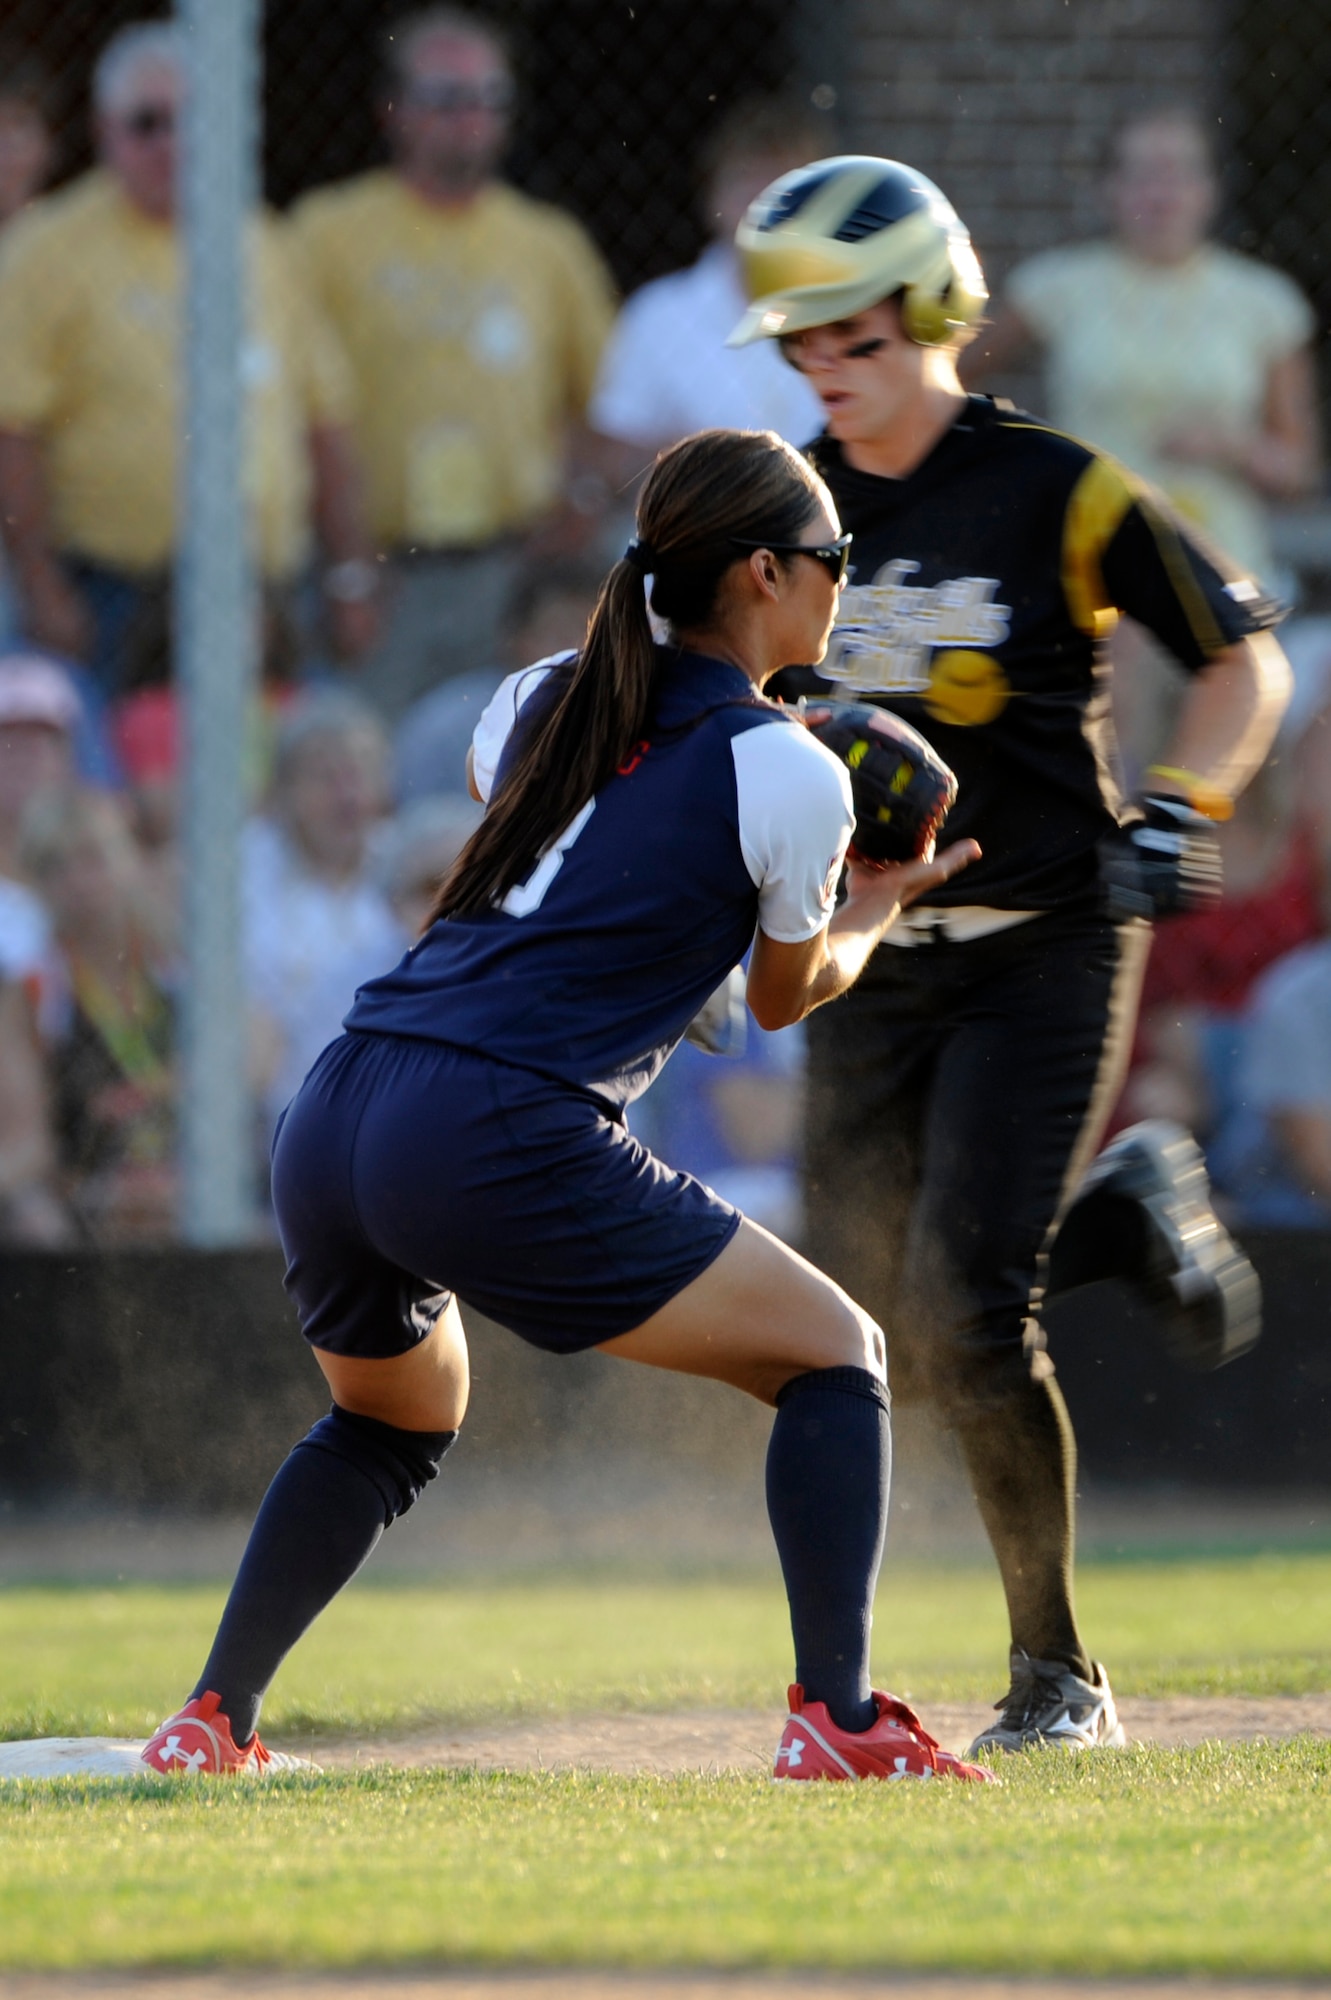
903, 1769
792, 1752
171, 1753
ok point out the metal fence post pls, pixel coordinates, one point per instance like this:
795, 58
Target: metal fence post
216, 609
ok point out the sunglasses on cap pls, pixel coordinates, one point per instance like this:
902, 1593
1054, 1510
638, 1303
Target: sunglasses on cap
443, 93
834, 556
150, 121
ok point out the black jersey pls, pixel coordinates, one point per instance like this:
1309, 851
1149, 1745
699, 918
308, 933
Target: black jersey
983, 588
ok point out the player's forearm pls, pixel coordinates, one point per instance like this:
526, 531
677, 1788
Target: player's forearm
1229, 717
787, 981
848, 944
851, 943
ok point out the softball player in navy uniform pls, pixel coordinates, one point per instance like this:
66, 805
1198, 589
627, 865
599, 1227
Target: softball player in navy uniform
649, 812
957, 1093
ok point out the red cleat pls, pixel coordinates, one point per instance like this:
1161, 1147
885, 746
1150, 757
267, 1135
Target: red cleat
896, 1746
198, 1743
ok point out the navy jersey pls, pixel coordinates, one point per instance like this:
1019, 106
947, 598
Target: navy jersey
983, 588
728, 815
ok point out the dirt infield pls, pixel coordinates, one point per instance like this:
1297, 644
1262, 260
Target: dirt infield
627, 1986
715, 1740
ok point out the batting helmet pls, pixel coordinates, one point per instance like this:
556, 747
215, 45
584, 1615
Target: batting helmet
831, 239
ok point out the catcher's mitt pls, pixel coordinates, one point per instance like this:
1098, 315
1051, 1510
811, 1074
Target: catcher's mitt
902, 789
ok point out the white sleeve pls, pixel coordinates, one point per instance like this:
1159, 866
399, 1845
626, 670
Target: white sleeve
795, 823
631, 399
495, 726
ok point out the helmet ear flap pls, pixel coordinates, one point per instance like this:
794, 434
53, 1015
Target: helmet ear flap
924, 316
932, 318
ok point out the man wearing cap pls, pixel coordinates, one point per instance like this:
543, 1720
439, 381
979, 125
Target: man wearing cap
89, 367
474, 318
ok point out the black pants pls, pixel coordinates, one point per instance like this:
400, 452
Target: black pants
956, 1096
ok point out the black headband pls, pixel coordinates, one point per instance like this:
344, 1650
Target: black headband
641, 556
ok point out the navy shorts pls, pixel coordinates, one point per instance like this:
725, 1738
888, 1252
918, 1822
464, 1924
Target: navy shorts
405, 1170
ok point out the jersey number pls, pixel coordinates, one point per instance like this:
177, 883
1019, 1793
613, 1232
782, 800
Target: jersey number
524, 897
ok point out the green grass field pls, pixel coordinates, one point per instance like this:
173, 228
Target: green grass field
1214, 1860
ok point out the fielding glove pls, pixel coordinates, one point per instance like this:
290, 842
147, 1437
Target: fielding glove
902, 789
1165, 863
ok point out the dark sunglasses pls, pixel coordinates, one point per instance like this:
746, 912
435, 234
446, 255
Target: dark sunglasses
488, 93
152, 122
834, 556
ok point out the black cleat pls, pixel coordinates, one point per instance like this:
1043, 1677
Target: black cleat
1144, 1213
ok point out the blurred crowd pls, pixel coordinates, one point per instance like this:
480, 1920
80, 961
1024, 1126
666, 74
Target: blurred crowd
449, 411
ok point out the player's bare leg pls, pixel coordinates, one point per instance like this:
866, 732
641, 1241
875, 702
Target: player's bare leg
425, 1389
763, 1319
757, 1316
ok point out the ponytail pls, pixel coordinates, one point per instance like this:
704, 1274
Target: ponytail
567, 756
702, 495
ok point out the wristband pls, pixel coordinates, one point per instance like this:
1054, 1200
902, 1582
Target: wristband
1200, 793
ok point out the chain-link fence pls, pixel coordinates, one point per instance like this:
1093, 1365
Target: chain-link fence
1276, 143
617, 98
617, 102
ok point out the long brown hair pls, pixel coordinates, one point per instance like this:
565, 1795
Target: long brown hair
701, 493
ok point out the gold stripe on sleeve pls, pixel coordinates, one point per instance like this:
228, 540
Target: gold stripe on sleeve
1098, 502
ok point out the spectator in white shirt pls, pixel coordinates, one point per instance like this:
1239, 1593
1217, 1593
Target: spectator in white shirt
316, 922
666, 370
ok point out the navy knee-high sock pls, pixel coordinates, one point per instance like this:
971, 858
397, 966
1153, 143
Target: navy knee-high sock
829, 1466
332, 1498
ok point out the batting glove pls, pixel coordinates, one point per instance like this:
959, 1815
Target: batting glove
1167, 862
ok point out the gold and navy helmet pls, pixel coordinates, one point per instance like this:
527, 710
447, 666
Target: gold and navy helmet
830, 239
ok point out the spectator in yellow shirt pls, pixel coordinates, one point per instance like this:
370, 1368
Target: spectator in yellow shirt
90, 303
474, 319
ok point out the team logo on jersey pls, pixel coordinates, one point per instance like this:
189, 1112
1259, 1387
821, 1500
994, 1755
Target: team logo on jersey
896, 637
966, 688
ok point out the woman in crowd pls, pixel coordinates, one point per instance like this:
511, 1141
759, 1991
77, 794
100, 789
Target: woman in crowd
648, 811
112, 1053
1191, 363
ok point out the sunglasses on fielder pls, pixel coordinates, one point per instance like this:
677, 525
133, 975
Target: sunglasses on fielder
834, 556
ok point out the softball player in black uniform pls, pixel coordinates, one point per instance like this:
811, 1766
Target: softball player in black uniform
958, 1092
649, 812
